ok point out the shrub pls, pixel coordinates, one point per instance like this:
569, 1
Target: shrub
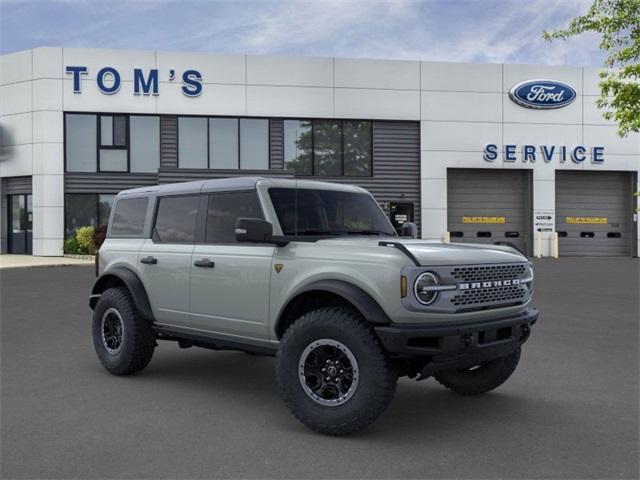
99, 235
84, 237
71, 245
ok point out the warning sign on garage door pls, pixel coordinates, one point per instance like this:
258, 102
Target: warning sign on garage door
494, 220
587, 220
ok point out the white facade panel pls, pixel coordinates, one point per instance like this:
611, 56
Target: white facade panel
591, 78
377, 104
434, 223
47, 62
16, 129
608, 135
222, 99
461, 106
48, 247
50, 222
434, 192
47, 94
15, 98
290, 71
541, 134
16, 161
384, 74
461, 77
48, 191
213, 68
15, 67
289, 101
48, 158
592, 114
48, 126
459, 136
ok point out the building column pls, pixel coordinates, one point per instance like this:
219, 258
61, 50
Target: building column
433, 196
4, 217
544, 203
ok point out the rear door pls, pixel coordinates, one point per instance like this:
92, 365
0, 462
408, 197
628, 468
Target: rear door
165, 259
229, 280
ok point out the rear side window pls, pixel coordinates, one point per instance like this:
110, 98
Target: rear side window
224, 209
176, 219
129, 216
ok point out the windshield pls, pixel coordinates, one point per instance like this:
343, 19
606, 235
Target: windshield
326, 212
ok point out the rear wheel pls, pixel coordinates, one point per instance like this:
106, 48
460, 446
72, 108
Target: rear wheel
480, 378
122, 339
333, 373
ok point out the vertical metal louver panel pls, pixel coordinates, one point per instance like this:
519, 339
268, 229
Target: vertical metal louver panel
168, 141
594, 213
276, 145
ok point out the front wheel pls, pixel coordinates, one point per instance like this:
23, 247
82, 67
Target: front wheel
333, 373
480, 378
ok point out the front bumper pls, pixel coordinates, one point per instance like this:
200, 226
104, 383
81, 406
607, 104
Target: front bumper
446, 347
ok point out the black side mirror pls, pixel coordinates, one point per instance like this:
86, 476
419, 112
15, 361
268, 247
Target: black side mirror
253, 230
409, 229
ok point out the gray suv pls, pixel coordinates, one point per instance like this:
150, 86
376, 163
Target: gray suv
314, 274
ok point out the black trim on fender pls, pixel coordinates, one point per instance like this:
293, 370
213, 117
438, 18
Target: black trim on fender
132, 282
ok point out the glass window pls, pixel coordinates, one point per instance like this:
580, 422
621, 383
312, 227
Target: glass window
144, 143
113, 160
192, 142
357, 148
254, 144
176, 219
328, 213
223, 143
106, 130
80, 211
297, 146
80, 142
224, 209
327, 141
129, 216
120, 131
105, 202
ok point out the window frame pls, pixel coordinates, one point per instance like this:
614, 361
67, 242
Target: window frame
209, 195
239, 156
341, 121
126, 145
98, 116
199, 232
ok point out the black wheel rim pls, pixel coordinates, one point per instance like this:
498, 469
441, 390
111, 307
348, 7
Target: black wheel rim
112, 331
328, 372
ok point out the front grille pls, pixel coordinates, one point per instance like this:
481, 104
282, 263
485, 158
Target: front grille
489, 272
493, 295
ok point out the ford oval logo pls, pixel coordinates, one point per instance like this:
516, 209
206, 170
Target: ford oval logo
542, 94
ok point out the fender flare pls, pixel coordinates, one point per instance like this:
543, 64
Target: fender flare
361, 300
133, 284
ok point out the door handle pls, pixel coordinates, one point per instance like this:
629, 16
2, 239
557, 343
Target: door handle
149, 260
205, 263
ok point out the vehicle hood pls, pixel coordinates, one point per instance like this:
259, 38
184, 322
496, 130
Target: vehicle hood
433, 252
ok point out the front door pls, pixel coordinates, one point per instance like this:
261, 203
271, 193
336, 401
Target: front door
400, 213
229, 280
20, 221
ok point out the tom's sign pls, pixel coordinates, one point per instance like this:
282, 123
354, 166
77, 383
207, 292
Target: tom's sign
108, 80
542, 94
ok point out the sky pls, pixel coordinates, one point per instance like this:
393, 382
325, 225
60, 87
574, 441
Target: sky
486, 31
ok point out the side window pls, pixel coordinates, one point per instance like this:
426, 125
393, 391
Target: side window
129, 216
224, 209
176, 219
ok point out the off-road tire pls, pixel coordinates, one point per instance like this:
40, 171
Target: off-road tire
482, 379
138, 341
377, 378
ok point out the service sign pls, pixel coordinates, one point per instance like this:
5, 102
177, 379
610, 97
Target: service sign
544, 220
542, 94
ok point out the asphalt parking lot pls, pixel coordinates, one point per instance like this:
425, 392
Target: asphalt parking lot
569, 411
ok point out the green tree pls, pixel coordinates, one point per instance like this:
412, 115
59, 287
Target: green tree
618, 23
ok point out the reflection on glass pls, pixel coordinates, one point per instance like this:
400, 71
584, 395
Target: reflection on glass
297, 146
328, 148
357, 148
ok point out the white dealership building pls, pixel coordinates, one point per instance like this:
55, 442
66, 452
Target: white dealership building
488, 153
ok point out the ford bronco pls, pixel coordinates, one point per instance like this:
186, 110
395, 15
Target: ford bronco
314, 274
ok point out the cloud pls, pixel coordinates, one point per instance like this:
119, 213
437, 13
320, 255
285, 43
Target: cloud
444, 30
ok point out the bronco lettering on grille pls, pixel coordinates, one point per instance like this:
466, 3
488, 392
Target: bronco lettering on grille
494, 283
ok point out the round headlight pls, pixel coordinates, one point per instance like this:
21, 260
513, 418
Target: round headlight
422, 288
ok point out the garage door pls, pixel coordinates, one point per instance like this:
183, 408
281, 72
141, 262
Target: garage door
593, 213
489, 206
